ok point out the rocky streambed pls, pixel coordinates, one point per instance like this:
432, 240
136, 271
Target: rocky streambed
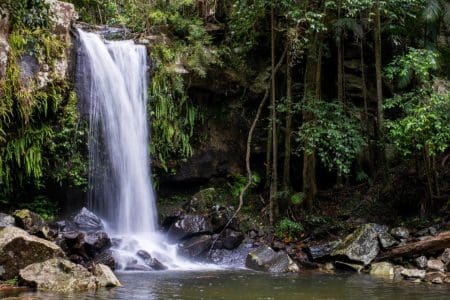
76, 254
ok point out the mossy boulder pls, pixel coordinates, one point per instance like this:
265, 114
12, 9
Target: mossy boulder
361, 246
31, 222
63, 276
58, 275
19, 249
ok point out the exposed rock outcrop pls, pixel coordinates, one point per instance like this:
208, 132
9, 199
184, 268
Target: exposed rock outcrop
361, 246
63, 276
19, 249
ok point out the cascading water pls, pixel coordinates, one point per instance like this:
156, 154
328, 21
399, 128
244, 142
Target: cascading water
113, 80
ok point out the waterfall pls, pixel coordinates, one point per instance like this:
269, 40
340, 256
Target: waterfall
120, 181
112, 87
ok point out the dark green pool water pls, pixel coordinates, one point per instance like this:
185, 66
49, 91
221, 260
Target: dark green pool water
243, 284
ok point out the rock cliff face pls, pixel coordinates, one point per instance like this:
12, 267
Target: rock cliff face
62, 15
4, 46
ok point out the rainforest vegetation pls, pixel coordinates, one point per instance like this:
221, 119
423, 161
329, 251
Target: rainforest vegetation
345, 104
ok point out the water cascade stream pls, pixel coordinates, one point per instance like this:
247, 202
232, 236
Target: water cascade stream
113, 77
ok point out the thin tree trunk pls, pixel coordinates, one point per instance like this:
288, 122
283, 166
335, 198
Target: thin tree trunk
274, 182
340, 79
311, 93
287, 139
248, 152
379, 83
366, 106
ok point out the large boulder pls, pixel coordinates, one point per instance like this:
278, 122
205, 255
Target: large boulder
266, 259
58, 275
31, 222
361, 246
322, 250
196, 245
19, 249
190, 224
105, 277
231, 239
83, 247
87, 220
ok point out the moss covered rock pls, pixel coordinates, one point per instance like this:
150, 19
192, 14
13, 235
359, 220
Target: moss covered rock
31, 222
58, 275
361, 246
19, 249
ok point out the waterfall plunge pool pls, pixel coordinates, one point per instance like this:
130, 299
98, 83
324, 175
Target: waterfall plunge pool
244, 284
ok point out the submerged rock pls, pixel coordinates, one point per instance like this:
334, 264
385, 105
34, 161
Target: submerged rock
266, 259
58, 275
382, 269
19, 249
413, 273
156, 265
87, 220
361, 246
435, 277
348, 266
31, 222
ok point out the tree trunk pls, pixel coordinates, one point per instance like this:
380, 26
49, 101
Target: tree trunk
436, 243
274, 182
311, 93
340, 75
379, 83
366, 106
287, 139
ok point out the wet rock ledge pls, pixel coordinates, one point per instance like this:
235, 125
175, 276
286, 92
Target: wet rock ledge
33, 255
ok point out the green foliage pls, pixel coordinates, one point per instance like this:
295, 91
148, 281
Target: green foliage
239, 181
424, 122
334, 133
43, 206
28, 13
424, 111
173, 114
415, 64
38, 125
297, 198
288, 229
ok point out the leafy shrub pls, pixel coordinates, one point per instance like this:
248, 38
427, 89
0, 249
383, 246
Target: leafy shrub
288, 229
333, 132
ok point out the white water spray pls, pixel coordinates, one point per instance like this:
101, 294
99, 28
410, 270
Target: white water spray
114, 84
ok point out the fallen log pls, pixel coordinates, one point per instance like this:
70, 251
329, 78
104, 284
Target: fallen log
434, 243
